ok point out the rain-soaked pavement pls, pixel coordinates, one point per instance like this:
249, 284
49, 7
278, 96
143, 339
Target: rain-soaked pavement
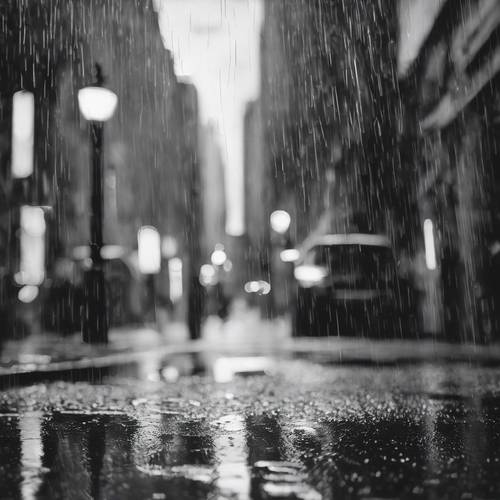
209, 426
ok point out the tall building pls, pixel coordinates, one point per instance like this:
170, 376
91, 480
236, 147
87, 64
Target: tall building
213, 189
324, 110
448, 73
150, 160
257, 195
380, 117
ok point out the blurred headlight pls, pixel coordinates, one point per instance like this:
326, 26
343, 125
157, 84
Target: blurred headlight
310, 275
289, 255
28, 294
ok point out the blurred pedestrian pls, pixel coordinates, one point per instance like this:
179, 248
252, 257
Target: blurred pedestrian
222, 301
196, 307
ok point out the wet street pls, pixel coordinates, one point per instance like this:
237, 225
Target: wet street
209, 426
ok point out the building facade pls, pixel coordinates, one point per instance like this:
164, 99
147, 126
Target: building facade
150, 161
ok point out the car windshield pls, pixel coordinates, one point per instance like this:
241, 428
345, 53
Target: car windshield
365, 265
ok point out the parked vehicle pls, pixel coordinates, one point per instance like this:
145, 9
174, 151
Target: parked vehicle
64, 294
348, 284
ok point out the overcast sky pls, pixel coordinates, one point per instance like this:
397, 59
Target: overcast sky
215, 43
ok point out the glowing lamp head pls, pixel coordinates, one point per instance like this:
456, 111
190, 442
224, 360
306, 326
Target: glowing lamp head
97, 103
280, 221
218, 257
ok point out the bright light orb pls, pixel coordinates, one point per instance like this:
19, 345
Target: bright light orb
207, 275
218, 257
23, 127
148, 249
110, 252
169, 247
280, 221
289, 255
252, 286
310, 275
430, 247
175, 277
32, 243
27, 294
264, 288
97, 104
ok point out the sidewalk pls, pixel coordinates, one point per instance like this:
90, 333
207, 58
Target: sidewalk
50, 356
47, 354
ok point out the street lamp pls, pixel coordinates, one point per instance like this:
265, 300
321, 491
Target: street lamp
280, 221
97, 105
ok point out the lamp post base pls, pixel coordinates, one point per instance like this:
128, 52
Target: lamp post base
95, 321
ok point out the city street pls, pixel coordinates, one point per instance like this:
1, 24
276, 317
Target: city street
142, 350
249, 412
260, 427
249, 249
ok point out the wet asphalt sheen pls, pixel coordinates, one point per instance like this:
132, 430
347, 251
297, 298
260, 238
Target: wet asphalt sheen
293, 430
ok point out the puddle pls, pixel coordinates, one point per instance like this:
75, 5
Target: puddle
213, 443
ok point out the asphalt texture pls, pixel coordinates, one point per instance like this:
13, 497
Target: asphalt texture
219, 427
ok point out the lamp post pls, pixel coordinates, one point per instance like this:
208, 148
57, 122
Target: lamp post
97, 105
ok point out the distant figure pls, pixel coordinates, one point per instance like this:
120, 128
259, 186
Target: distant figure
196, 307
222, 301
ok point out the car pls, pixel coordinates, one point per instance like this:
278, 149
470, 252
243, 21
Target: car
348, 284
64, 292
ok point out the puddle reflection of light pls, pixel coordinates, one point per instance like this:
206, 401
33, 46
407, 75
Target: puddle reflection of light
225, 369
31, 454
232, 455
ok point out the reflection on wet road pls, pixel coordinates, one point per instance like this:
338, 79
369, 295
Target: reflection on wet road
304, 431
